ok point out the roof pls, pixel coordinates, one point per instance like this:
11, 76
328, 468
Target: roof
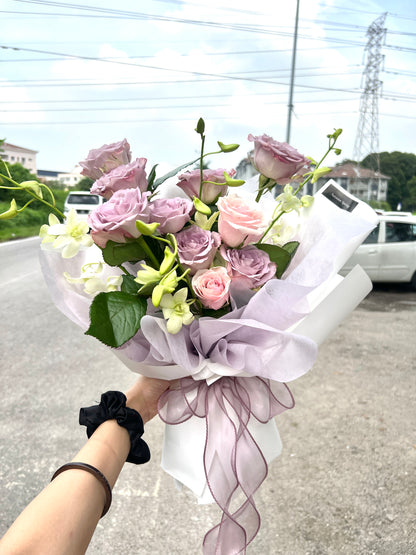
18, 148
44, 173
354, 171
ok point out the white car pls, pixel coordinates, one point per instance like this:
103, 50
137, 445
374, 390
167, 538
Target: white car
83, 202
389, 252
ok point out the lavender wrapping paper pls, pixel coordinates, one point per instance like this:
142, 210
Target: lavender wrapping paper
275, 335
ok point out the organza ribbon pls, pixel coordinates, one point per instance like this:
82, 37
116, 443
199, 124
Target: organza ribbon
233, 462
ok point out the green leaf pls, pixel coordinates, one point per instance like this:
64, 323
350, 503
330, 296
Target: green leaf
172, 173
291, 247
151, 178
115, 317
277, 254
130, 286
115, 254
216, 313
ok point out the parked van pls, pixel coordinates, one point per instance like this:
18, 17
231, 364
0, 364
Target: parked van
83, 202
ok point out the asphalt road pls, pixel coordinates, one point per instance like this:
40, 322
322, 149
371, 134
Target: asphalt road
344, 484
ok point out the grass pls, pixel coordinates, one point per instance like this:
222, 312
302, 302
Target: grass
18, 232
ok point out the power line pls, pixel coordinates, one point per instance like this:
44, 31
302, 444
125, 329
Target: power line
180, 119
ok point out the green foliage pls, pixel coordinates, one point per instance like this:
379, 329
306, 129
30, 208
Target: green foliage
28, 222
85, 184
281, 256
115, 254
380, 204
401, 168
115, 317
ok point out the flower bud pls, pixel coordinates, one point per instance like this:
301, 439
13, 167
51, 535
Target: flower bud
33, 185
227, 148
11, 212
146, 229
201, 207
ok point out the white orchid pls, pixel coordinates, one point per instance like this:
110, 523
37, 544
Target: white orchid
176, 310
94, 284
69, 236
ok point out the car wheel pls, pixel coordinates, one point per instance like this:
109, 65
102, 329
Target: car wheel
413, 282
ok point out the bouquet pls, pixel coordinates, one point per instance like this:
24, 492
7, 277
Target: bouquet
219, 284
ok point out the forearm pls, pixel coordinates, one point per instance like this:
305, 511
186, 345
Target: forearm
64, 515
62, 518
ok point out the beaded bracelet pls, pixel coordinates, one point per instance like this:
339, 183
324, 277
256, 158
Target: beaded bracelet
95, 472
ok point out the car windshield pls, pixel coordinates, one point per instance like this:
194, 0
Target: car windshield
83, 199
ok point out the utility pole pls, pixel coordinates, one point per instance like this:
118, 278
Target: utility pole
292, 75
366, 140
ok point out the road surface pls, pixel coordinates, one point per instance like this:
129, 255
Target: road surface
345, 483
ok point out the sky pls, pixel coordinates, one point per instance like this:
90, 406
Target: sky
74, 76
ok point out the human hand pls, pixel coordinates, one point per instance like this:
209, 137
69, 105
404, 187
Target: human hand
144, 394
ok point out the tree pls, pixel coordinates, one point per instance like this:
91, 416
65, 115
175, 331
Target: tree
19, 174
84, 184
401, 168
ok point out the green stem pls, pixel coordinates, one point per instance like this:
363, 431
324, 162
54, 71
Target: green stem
271, 225
27, 204
123, 269
34, 195
330, 147
201, 165
142, 242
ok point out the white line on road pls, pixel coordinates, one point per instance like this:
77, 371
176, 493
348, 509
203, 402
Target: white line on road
20, 277
8, 243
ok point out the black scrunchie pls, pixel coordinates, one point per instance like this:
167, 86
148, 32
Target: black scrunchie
113, 407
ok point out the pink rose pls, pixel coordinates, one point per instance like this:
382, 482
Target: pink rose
128, 176
104, 159
190, 184
171, 213
212, 287
116, 219
277, 161
240, 221
249, 266
197, 247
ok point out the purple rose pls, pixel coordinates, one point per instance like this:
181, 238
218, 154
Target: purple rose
197, 247
102, 160
116, 219
171, 213
190, 184
277, 161
248, 266
127, 176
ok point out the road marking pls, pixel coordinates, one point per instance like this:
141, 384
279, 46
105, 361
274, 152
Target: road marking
20, 277
15, 241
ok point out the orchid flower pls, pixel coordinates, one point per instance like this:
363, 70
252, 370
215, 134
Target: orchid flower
69, 236
176, 310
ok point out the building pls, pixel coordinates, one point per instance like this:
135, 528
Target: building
67, 179
363, 183
14, 154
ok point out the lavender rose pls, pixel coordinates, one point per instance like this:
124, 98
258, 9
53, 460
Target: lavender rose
116, 219
248, 266
190, 184
171, 213
197, 247
102, 160
277, 161
127, 176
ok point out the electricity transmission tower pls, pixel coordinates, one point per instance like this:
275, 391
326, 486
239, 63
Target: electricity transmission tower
366, 140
